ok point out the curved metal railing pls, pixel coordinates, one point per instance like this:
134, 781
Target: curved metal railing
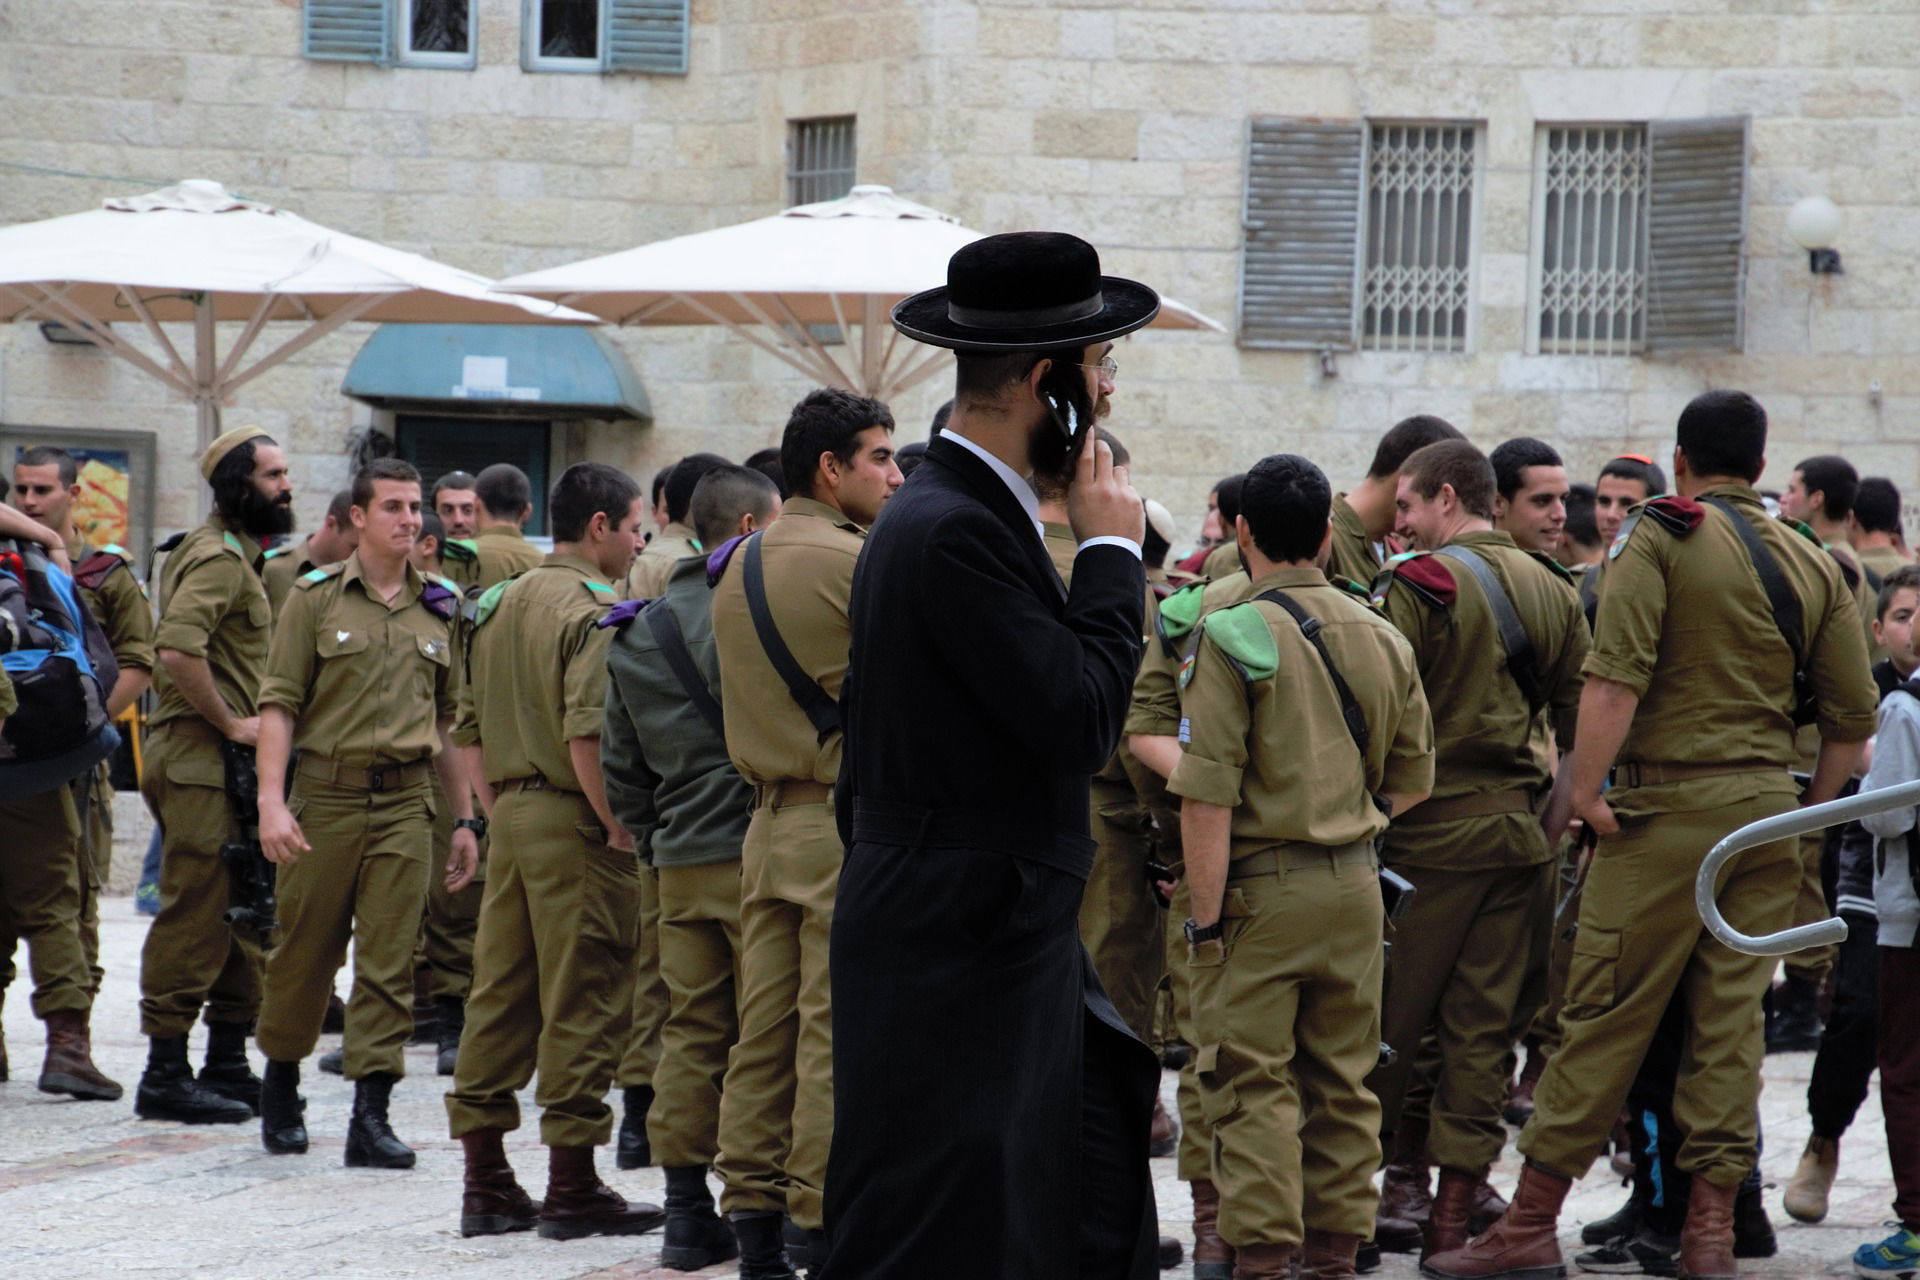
1798, 823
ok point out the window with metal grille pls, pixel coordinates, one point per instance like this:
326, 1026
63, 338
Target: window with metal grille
1593, 239
1418, 235
436, 33
820, 159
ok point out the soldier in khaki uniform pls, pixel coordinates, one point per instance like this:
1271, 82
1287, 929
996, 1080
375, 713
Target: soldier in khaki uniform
1284, 942
358, 679
458, 510
1689, 707
331, 543
1530, 493
1225, 558
505, 501
1364, 515
776, 1110
676, 539
212, 644
671, 783
1874, 531
1475, 852
557, 924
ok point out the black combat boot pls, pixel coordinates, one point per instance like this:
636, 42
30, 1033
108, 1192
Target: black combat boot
452, 1021
370, 1140
227, 1072
168, 1090
1793, 1023
283, 1129
763, 1253
333, 1062
695, 1235
817, 1254
633, 1151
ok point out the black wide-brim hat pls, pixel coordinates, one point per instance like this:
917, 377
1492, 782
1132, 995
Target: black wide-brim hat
1026, 291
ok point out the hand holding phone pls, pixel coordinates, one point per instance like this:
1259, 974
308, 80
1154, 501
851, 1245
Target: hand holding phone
1100, 501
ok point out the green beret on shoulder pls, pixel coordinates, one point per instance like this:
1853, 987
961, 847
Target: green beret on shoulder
1240, 631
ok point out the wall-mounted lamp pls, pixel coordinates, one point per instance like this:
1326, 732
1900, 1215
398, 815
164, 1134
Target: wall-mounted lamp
1813, 223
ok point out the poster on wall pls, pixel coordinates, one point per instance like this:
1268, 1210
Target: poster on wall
115, 503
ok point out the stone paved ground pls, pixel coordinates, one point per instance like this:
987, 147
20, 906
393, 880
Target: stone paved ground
87, 1190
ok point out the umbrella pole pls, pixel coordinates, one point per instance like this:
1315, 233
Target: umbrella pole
206, 397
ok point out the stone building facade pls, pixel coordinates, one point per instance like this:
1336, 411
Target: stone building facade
1128, 123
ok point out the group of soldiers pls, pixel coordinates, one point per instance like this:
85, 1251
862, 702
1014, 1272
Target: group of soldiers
592, 792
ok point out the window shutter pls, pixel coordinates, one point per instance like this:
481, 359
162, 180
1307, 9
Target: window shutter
1697, 234
349, 30
647, 35
1302, 226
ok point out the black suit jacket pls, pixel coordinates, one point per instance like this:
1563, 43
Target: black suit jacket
981, 695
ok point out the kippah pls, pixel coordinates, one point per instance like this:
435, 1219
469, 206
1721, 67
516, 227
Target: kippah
1161, 520
225, 445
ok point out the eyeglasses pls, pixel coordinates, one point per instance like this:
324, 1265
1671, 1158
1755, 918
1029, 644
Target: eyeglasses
1108, 366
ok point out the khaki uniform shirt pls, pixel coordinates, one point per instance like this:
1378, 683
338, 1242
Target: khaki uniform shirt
1687, 627
215, 609
1155, 708
1865, 598
281, 567
654, 565
537, 671
366, 680
119, 606
460, 561
1483, 726
1273, 744
1350, 551
1882, 560
500, 552
1222, 560
807, 555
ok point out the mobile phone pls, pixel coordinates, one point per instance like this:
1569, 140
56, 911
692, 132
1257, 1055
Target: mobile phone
1063, 389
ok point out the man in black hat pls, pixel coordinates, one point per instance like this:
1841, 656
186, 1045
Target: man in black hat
991, 1108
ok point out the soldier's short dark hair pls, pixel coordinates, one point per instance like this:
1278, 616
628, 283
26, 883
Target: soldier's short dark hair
457, 480
1581, 526
50, 455
584, 490
660, 482
1285, 501
1406, 436
361, 495
431, 527
503, 490
827, 420
1876, 506
1834, 479
767, 462
1723, 433
726, 493
1226, 500
1511, 458
1629, 466
340, 506
1458, 464
1906, 577
910, 455
685, 475
940, 417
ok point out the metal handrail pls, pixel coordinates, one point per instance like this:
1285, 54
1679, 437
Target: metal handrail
1781, 827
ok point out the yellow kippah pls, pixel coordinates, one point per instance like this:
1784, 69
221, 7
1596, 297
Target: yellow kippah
225, 445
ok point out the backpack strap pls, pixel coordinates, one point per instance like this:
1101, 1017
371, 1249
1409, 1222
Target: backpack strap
807, 695
1787, 614
1514, 641
672, 640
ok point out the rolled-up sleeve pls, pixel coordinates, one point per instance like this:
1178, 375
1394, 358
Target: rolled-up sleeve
1214, 724
202, 596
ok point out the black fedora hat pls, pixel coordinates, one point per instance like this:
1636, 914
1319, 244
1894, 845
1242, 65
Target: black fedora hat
1026, 291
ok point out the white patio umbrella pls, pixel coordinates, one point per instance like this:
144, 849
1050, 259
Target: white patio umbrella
195, 252
837, 263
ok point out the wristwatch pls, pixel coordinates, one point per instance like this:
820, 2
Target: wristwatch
1197, 935
476, 825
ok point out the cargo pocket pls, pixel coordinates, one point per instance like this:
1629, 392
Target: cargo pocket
1592, 972
1206, 990
1218, 1097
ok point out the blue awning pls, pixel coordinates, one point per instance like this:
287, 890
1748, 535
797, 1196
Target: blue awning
551, 371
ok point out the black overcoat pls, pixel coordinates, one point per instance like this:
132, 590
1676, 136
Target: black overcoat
991, 1108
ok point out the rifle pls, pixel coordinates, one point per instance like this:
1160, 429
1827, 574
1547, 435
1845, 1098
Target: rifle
248, 871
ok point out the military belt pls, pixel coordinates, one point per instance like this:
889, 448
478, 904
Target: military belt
535, 782
1636, 773
190, 726
387, 777
1295, 857
1483, 805
782, 795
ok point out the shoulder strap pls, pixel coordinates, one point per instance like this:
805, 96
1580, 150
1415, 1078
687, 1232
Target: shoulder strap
807, 695
1349, 705
1785, 604
673, 643
1514, 641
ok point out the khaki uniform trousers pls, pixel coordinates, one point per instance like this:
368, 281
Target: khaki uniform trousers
364, 879
700, 963
551, 961
776, 1109
192, 956
41, 888
1810, 905
1119, 919
92, 851
1460, 967
446, 931
1545, 1034
646, 1014
1193, 1158
1641, 941
1287, 1009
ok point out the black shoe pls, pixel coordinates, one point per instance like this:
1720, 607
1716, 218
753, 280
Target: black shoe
795, 1237
227, 1071
1622, 1225
370, 1140
1367, 1257
763, 1254
333, 1062
1170, 1253
283, 1132
1642, 1254
817, 1253
168, 1090
334, 1020
632, 1150
1752, 1229
1793, 1025
695, 1235
453, 1020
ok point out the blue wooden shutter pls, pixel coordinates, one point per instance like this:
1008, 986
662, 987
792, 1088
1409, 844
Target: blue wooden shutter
349, 30
646, 35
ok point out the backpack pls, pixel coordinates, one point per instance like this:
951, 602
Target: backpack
61, 666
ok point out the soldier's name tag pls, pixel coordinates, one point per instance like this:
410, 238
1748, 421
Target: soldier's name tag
1186, 730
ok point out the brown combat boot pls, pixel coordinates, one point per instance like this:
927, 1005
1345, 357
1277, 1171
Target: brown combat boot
1488, 1205
69, 1066
1265, 1261
1523, 1245
579, 1204
1452, 1204
1406, 1198
1163, 1135
1806, 1196
1519, 1105
492, 1202
1212, 1256
1328, 1255
1706, 1242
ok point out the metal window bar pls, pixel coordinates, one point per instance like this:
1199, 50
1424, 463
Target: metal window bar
820, 159
1593, 278
1418, 236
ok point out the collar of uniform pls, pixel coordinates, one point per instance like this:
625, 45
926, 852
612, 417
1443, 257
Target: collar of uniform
77, 550
814, 509
502, 531
1016, 484
1484, 538
680, 529
250, 548
1733, 492
409, 589
579, 564
1288, 576
1346, 521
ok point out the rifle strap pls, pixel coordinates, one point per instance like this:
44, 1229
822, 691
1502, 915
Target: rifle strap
673, 644
1514, 641
1349, 705
814, 701
1785, 604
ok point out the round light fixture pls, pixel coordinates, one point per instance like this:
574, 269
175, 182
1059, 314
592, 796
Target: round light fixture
1813, 222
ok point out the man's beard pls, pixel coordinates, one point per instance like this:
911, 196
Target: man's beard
264, 517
